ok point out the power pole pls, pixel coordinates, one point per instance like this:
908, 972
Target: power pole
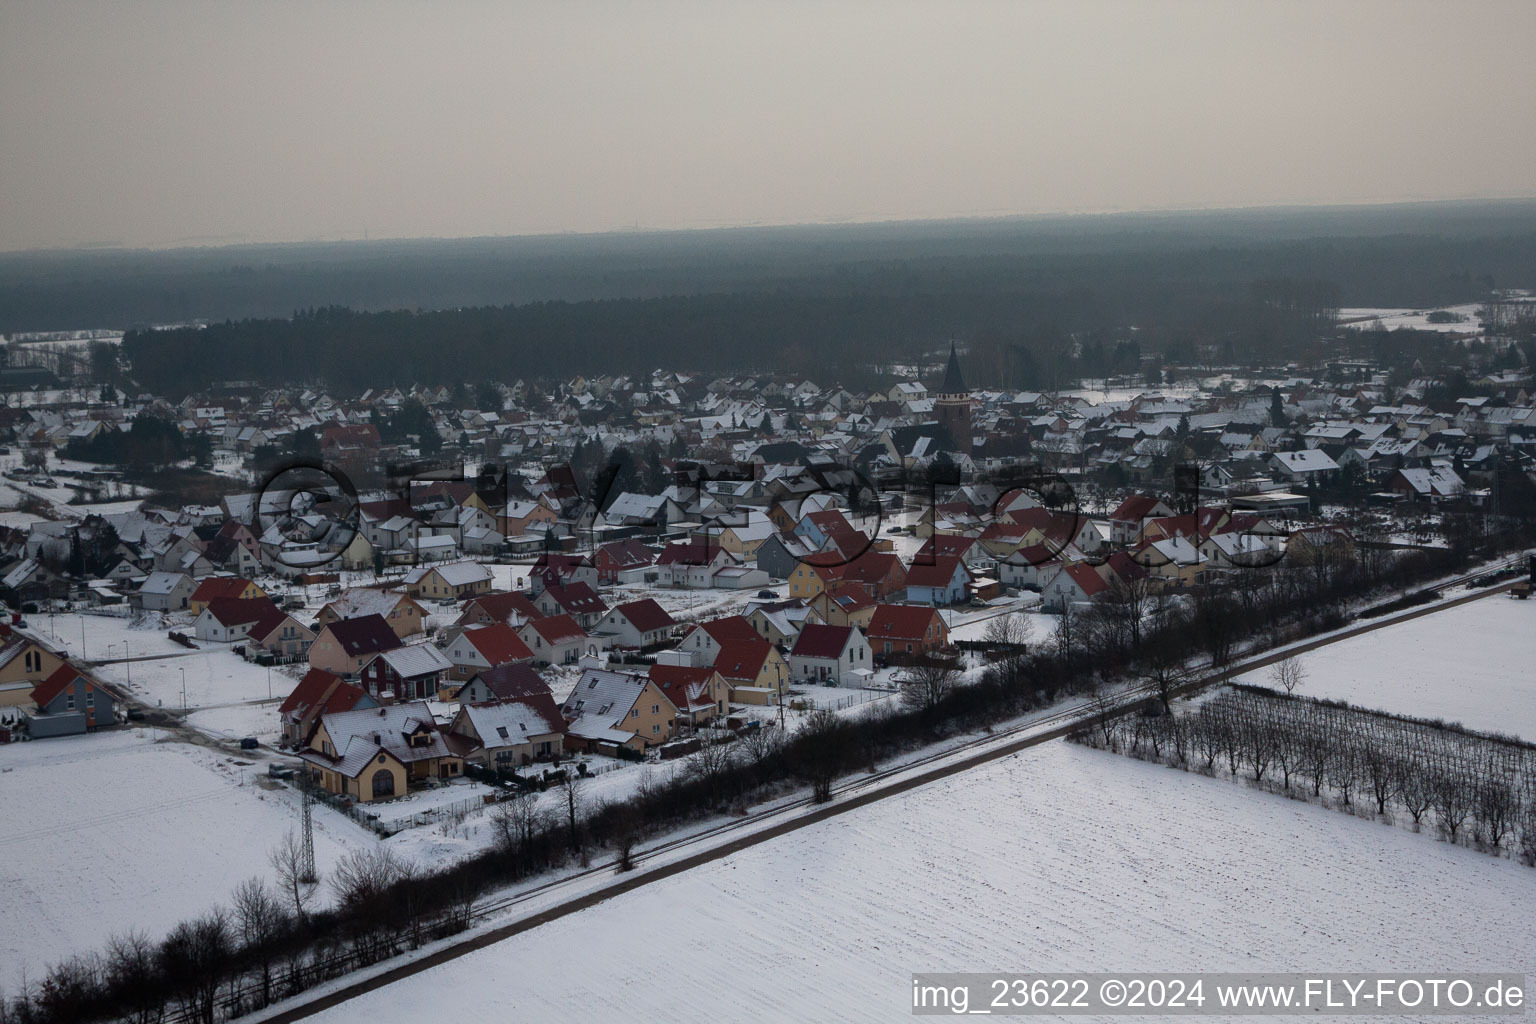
308, 873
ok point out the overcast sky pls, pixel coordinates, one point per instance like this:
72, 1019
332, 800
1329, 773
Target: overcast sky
158, 123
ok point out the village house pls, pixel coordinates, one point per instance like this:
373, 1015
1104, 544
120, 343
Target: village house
164, 592
403, 613
700, 694
451, 582
623, 561
345, 646
577, 600
69, 702
317, 693
557, 640
372, 753
504, 682
637, 624
509, 734
471, 651
754, 670
940, 583
908, 630
830, 654
229, 620
24, 662
511, 608
607, 710
229, 587
412, 672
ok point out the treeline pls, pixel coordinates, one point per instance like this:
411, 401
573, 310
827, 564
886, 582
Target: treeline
270, 943
1037, 308
1476, 789
1410, 255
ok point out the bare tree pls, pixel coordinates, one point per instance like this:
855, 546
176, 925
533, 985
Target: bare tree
130, 977
1164, 668
1287, 674
926, 685
1013, 633
517, 823
259, 919
287, 859
574, 800
195, 956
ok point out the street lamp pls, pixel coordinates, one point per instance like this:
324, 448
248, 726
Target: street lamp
183, 689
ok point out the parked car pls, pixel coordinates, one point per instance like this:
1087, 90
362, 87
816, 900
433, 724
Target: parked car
249, 743
766, 593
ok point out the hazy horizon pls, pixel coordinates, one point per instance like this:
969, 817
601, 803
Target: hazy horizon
180, 124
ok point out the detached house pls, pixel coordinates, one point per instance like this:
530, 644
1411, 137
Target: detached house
642, 623
577, 600
372, 754
607, 710
319, 692
754, 670
69, 702
700, 695
24, 662
471, 651
511, 733
344, 647
403, 613
908, 630
556, 640
452, 582
940, 583
164, 592
412, 672
228, 587
830, 654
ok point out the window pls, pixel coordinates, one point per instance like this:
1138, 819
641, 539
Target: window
634, 712
655, 709
90, 699
69, 702
655, 729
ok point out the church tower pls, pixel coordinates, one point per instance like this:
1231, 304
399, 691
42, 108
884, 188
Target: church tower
953, 406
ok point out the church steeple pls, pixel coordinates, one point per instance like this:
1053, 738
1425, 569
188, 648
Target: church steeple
953, 406
953, 384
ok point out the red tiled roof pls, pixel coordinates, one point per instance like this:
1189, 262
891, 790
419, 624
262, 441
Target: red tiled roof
628, 553
901, 622
556, 628
512, 681
820, 641
742, 659
319, 688
502, 606
219, 586
54, 685
732, 627
237, 611
939, 573
646, 615
498, 643
1135, 508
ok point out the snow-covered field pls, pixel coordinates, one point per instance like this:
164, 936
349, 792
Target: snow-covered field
214, 675
1060, 858
113, 831
1470, 664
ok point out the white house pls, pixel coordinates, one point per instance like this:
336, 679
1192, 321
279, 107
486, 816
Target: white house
829, 654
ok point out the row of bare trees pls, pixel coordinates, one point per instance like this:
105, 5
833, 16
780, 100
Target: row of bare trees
1475, 789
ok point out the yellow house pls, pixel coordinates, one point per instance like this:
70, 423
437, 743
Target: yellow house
372, 753
211, 588
24, 662
807, 581
754, 670
401, 611
452, 582
617, 709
